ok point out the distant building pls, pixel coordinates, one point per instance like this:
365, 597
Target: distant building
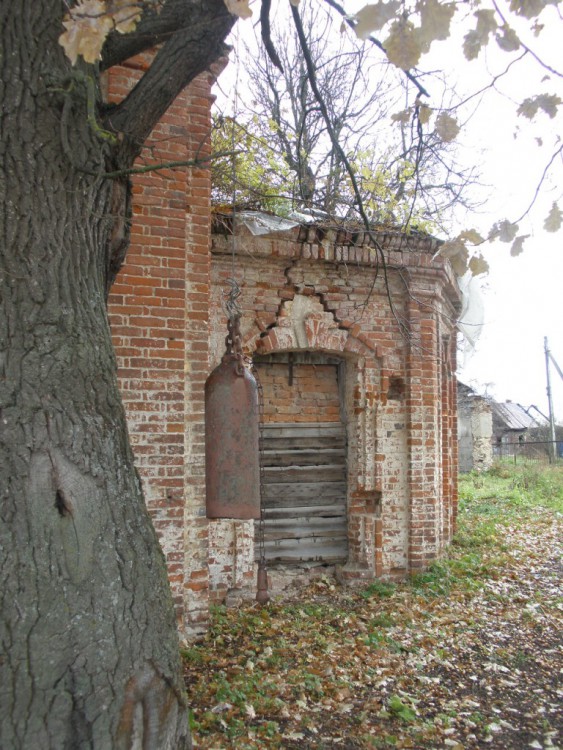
512, 423
475, 429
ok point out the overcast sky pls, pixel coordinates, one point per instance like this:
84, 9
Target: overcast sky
523, 303
523, 296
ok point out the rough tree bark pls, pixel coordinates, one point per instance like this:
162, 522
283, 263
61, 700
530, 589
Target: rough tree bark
88, 644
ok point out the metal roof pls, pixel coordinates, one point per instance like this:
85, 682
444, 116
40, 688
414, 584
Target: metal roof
513, 416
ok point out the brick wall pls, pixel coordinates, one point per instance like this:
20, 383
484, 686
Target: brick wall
304, 290
300, 392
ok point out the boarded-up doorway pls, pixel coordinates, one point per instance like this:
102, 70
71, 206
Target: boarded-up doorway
304, 459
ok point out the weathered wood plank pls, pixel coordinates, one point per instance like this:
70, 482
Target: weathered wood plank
291, 553
287, 496
301, 426
304, 489
285, 501
303, 457
303, 429
298, 560
304, 443
302, 436
304, 493
285, 504
311, 474
292, 529
310, 548
307, 549
304, 526
296, 511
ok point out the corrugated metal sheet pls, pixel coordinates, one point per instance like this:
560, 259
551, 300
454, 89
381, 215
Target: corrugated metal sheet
513, 416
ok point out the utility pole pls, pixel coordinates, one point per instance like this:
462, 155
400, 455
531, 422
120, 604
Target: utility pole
550, 402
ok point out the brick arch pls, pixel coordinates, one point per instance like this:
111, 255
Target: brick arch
303, 323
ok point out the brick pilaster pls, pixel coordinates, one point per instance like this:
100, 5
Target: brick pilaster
423, 408
158, 311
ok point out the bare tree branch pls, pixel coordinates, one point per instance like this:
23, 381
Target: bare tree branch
558, 152
202, 163
266, 34
411, 77
184, 56
157, 27
286, 100
490, 85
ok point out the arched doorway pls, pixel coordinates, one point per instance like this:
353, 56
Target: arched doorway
304, 458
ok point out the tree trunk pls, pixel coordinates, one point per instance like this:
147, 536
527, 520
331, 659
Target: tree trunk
88, 653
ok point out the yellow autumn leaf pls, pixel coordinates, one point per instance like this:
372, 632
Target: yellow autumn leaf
527, 8
477, 38
403, 45
478, 265
447, 127
548, 103
424, 114
451, 248
86, 25
518, 245
537, 28
373, 17
507, 39
472, 236
528, 108
126, 15
472, 44
402, 117
506, 231
554, 219
486, 21
240, 8
435, 18
459, 262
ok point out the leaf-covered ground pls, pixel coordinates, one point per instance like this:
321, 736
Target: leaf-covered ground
467, 655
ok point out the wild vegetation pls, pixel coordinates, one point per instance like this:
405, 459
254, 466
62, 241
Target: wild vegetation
462, 656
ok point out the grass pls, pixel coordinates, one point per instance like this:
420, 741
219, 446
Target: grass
504, 490
380, 589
